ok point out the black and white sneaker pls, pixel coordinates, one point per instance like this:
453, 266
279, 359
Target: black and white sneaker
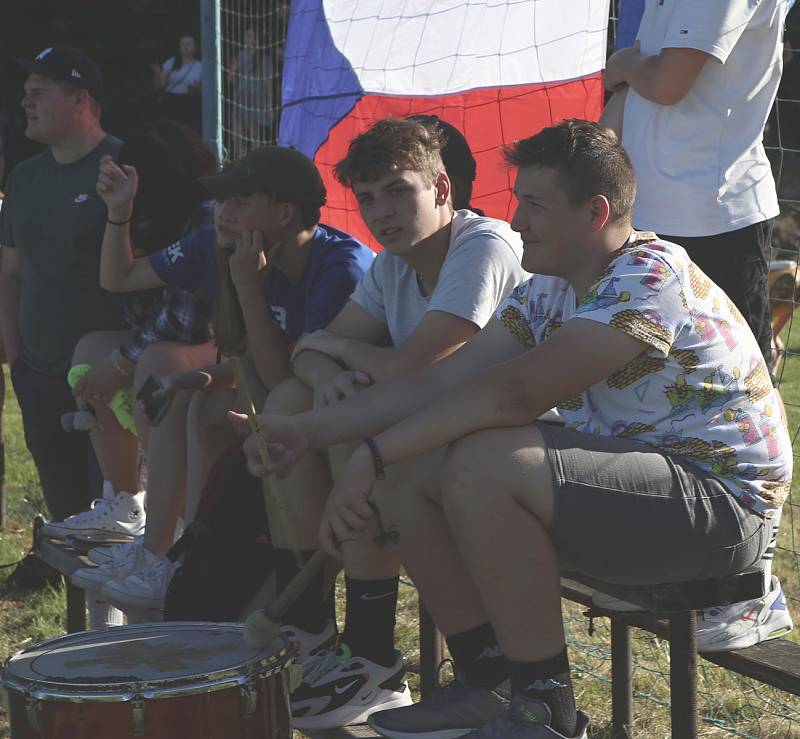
307, 644
340, 689
448, 712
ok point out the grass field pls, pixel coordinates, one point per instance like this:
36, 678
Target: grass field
730, 706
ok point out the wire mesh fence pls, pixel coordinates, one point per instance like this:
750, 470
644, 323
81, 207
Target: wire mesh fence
253, 37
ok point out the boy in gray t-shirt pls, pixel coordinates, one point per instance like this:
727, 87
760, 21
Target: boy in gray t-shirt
437, 282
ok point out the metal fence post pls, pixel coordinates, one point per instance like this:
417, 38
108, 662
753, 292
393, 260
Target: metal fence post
211, 44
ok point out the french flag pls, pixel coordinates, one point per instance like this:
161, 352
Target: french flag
498, 70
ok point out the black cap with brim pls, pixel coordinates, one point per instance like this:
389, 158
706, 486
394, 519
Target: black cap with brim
278, 170
66, 64
228, 184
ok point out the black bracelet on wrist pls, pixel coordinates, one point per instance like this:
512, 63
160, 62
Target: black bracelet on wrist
118, 223
377, 461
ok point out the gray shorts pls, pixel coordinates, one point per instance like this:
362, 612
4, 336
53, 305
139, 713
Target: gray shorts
627, 513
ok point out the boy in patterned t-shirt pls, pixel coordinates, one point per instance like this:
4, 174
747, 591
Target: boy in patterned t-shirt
673, 461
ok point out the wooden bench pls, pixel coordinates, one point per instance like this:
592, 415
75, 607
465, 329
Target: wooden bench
669, 612
674, 605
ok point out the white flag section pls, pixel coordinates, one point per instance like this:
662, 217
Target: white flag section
440, 47
498, 70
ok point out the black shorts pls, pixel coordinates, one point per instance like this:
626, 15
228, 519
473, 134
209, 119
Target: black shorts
627, 513
738, 262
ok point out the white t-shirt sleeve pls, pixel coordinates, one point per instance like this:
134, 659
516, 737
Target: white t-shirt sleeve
712, 26
168, 65
369, 290
476, 277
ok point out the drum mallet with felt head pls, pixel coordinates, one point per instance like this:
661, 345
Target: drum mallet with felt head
264, 626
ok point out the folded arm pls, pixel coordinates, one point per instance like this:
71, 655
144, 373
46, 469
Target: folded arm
664, 78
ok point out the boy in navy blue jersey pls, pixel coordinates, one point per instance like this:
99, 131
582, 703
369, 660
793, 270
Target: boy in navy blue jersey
274, 268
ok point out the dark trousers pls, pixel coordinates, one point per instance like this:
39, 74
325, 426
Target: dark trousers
737, 262
65, 460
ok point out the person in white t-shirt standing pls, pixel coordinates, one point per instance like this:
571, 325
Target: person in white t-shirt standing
179, 79
691, 101
698, 88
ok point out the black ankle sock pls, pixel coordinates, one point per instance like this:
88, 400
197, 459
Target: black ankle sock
549, 682
477, 657
308, 611
369, 624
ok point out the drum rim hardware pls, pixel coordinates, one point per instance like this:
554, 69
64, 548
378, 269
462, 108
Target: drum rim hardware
242, 675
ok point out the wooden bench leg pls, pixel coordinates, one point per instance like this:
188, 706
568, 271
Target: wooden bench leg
76, 608
683, 674
621, 679
431, 651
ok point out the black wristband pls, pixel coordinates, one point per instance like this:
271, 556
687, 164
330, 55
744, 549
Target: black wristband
118, 223
380, 474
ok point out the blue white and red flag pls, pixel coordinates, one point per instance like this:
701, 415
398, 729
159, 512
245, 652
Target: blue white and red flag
498, 70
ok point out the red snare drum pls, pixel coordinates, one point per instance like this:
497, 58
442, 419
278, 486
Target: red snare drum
156, 680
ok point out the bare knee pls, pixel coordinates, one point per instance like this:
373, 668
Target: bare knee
98, 344
466, 472
412, 481
166, 357
496, 463
288, 398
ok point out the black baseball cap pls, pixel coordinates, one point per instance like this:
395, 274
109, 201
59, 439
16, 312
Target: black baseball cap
456, 154
69, 64
278, 170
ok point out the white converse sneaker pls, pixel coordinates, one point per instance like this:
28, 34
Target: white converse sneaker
743, 624
121, 515
145, 588
340, 689
126, 560
308, 644
101, 555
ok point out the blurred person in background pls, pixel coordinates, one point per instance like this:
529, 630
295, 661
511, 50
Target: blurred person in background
179, 81
250, 74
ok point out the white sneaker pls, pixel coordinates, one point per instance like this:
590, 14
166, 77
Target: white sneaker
145, 588
340, 689
121, 515
743, 624
101, 555
129, 559
308, 644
